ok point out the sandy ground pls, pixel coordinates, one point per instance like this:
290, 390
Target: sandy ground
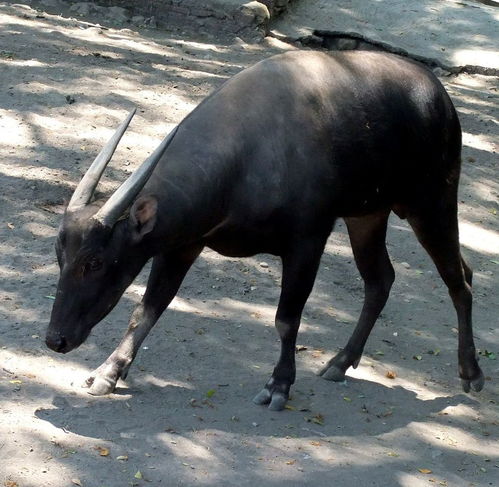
184, 415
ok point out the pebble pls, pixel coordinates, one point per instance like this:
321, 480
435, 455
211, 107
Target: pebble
264, 265
406, 265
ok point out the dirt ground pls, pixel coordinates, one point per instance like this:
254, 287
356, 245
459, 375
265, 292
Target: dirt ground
184, 415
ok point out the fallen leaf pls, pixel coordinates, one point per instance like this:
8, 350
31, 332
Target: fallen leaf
379, 352
16, 381
391, 374
393, 454
290, 462
289, 408
425, 470
317, 419
138, 475
10, 483
347, 399
10, 225
103, 452
417, 357
124, 458
486, 353
210, 392
315, 443
76, 482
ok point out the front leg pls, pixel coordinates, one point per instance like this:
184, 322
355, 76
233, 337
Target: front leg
167, 273
299, 268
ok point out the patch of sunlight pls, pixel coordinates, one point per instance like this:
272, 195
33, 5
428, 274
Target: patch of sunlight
128, 42
6, 272
198, 45
50, 123
12, 130
258, 310
31, 63
479, 142
47, 269
450, 436
40, 174
477, 57
417, 480
339, 249
188, 74
187, 449
39, 229
155, 381
479, 239
58, 374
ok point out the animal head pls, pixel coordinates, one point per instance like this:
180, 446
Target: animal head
98, 247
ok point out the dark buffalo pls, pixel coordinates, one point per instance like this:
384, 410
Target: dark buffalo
267, 164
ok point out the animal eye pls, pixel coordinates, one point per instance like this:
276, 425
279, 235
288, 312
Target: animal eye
93, 264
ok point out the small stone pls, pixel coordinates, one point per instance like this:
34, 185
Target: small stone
405, 265
264, 265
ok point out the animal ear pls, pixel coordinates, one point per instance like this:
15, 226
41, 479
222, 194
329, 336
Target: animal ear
143, 216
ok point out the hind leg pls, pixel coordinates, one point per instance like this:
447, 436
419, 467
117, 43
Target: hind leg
367, 236
437, 230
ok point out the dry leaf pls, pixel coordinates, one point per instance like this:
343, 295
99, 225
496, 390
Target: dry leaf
290, 408
124, 458
391, 374
10, 225
347, 399
138, 475
425, 470
11, 483
76, 482
317, 419
290, 462
315, 443
103, 452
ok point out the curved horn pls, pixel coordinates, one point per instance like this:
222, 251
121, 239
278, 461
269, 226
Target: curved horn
85, 189
122, 198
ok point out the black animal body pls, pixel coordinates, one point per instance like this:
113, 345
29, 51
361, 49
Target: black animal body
267, 164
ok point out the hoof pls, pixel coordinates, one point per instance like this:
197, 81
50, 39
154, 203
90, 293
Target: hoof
475, 384
332, 372
99, 386
263, 397
276, 400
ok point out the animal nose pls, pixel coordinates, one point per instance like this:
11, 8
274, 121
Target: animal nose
56, 342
